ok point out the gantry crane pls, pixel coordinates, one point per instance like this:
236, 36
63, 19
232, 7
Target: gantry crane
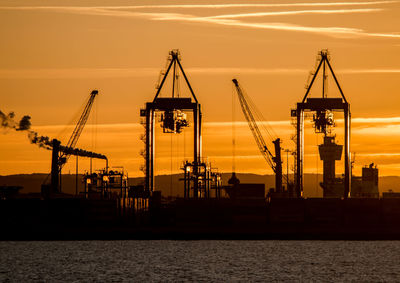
275, 162
323, 120
173, 122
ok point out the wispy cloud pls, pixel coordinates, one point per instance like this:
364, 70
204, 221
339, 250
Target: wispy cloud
380, 154
266, 5
222, 70
244, 124
368, 122
207, 6
260, 71
230, 19
386, 130
289, 13
388, 120
72, 73
370, 71
75, 73
339, 32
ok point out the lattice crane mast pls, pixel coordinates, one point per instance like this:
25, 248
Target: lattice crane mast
78, 129
275, 162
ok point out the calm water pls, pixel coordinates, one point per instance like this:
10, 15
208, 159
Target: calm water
200, 261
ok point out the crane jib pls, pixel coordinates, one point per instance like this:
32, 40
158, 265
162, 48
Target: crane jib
274, 162
79, 127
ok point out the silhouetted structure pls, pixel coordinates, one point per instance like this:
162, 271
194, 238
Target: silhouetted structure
173, 120
57, 151
323, 119
64, 156
8, 192
367, 186
329, 152
274, 162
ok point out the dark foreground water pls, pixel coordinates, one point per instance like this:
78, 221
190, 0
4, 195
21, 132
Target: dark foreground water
200, 261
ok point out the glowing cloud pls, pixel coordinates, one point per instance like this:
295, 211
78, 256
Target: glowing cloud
289, 13
71, 73
330, 31
227, 19
207, 6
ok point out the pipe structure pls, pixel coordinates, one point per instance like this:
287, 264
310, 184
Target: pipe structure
57, 150
81, 152
55, 188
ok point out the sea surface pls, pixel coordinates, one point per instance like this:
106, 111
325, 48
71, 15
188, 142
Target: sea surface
222, 261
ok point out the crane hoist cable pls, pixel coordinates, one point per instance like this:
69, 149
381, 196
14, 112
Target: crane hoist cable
259, 117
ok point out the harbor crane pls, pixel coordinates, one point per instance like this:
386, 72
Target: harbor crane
173, 122
323, 107
62, 160
62, 153
275, 162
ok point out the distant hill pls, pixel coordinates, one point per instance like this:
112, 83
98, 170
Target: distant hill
31, 183
170, 184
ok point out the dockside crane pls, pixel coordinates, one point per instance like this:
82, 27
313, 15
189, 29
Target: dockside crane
77, 130
275, 162
62, 153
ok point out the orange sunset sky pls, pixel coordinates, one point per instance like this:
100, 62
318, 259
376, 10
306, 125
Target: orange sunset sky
53, 53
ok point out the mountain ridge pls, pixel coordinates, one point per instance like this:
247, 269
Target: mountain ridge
170, 185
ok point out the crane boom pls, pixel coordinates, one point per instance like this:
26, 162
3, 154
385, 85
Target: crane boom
82, 121
255, 130
274, 162
62, 153
78, 128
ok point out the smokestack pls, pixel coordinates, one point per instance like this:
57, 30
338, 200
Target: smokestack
54, 166
7, 122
